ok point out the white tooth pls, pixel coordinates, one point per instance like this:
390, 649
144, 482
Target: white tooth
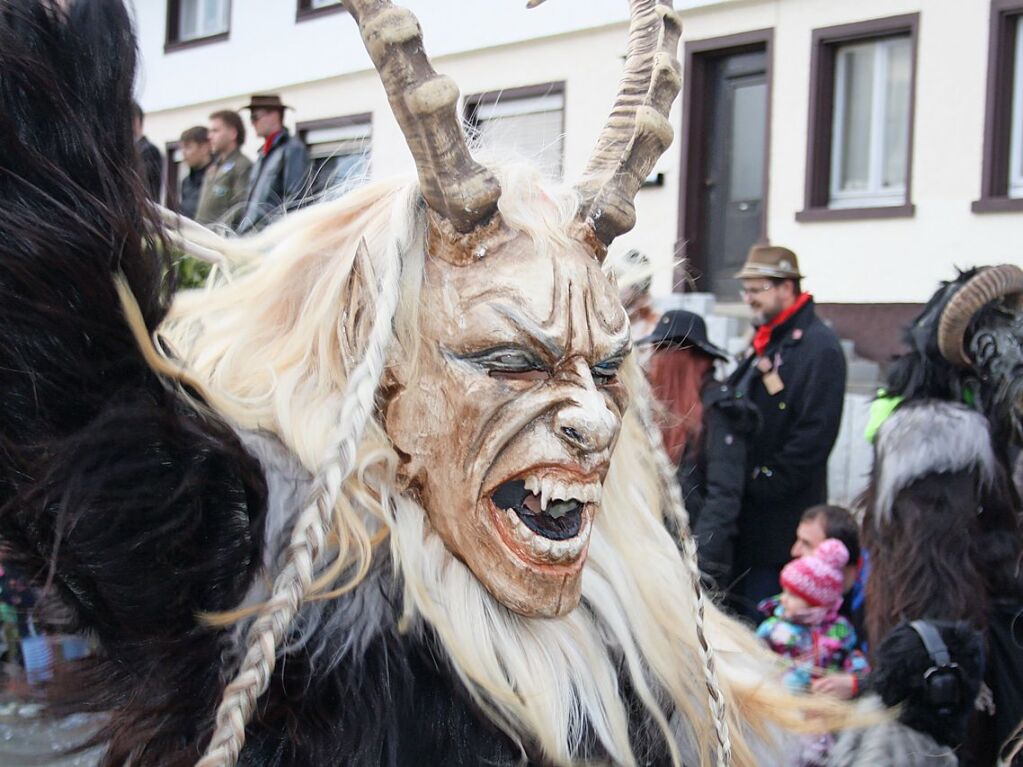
558, 493
547, 490
540, 545
560, 550
522, 532
566, 491
579, 492
598, 493
532, 484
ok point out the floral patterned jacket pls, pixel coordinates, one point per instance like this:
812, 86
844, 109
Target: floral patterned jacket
812, 651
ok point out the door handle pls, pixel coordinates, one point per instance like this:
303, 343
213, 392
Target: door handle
744, 206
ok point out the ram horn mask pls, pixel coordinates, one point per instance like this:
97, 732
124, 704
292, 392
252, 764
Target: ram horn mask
464, 193
990, 284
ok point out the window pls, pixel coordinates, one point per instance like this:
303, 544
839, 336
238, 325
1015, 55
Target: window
860, 137
173, 171
1001, 187
191, 22
527, 122
1016, 145
870, 138
308, 9
339, 150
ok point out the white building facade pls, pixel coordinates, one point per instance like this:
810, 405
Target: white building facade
881, 140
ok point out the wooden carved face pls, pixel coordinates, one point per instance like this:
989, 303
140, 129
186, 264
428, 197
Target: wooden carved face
507, 423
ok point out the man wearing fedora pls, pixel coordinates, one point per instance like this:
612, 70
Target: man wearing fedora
281, 171
794, 373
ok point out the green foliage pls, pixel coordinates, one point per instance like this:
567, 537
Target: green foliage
192, 272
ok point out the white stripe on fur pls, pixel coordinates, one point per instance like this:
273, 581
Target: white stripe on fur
930, 437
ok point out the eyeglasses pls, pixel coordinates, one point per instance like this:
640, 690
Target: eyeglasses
756, 291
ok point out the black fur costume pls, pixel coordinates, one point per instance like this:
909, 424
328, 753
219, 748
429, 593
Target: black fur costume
132, 509
942, 522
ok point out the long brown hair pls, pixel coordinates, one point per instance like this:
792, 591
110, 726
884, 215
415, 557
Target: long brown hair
677, 375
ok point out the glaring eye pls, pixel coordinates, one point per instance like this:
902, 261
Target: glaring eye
605, 372
510, 362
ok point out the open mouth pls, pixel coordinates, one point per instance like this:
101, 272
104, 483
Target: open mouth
547, 516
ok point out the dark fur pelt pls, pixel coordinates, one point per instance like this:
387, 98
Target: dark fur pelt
941, 521
391, 699
128, 506
898, 677
922, 372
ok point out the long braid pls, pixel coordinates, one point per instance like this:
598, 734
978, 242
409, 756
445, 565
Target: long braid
671, 488
309, 533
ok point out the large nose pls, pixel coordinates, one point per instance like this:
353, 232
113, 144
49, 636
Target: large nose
586, 423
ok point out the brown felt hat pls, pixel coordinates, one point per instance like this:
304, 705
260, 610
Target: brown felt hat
265, 101
770, 261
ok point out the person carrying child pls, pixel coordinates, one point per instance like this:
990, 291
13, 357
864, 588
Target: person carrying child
804, 626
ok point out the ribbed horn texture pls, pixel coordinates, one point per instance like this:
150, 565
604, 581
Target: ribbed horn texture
638, 129
454, 185
992, 283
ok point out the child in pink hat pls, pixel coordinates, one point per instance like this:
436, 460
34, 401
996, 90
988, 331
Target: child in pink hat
804, 626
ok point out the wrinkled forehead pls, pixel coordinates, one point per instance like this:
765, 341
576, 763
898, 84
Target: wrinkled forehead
560, 299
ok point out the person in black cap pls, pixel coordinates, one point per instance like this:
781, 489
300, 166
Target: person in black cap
705, 429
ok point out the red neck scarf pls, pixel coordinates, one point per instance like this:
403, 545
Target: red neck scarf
763, 334
269, 143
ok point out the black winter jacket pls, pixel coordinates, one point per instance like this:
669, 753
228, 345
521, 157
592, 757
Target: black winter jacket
712, 473
787, 462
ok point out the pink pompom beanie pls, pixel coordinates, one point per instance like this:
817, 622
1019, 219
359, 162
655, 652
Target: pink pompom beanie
817, 577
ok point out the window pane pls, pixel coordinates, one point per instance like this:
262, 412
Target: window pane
202, 18
853, 105
749, 114
1016, 141
896, 122
529, 128
323, 3
340, 157
188, 20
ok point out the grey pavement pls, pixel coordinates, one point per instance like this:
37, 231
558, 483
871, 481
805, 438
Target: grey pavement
28, 739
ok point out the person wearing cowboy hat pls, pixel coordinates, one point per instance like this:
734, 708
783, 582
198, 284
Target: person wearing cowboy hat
794, 372
705, 428
280, 175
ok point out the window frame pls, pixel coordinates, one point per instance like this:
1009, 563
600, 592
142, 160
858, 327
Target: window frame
171, 178
173, 41
825, 43
1003, 45
304, 10
362, 118
472, 103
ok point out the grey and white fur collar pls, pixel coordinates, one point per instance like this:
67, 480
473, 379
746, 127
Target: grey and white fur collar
929, 437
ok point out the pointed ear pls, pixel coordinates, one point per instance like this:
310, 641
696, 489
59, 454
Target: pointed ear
358, 297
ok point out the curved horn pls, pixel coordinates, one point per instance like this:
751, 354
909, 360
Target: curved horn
638, 129
454, 185
992, 283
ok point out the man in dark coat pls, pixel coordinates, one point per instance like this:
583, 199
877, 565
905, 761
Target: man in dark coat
281, 173
196, 152
795, 374
149, 156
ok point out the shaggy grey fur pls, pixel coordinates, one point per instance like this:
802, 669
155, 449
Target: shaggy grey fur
890, 744
929, 437
328, 630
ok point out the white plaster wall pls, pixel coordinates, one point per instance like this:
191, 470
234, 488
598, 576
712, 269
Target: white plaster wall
322, 70
894, 260
589, 62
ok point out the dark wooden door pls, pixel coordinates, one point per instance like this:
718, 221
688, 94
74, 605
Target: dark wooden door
733, 183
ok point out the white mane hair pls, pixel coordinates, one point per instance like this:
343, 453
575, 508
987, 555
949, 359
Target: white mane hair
277, 346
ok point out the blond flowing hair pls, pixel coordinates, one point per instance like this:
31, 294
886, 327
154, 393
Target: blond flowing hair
295, 341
